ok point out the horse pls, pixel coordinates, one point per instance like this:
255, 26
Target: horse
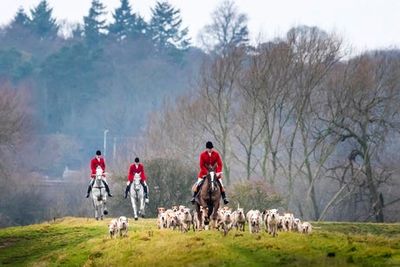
209, 197
137, 195
99, 195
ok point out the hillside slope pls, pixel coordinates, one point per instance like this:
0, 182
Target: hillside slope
85, 242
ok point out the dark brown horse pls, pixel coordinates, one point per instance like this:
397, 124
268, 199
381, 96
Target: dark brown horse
209, 197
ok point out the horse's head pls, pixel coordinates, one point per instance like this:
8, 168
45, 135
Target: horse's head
136, 181
211, 170
99, 172
212, 177
99, 175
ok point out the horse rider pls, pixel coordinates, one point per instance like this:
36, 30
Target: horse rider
98, 160
209, 157
137, 168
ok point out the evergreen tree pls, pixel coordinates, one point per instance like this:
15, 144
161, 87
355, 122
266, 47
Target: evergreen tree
21, 19
42, 23
127, 24
18, 29
165, 26
94, 26
124, 21
141, 28
77, 32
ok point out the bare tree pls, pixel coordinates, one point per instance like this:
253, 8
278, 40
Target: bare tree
227, 30
249, 126
274, 61
258, 88
14, 129
174, 132
315, 53
13, 122
218, 87
362, 110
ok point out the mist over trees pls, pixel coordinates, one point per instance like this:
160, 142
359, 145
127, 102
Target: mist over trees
300, 124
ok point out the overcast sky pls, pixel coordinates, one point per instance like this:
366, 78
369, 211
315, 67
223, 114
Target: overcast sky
365, 24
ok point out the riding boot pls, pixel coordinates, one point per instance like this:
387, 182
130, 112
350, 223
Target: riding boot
128, 187
89, 188
145, 191
107, 189
198, 186
223, 193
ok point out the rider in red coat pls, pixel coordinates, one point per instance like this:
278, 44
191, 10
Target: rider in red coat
210, 157
137, 167
94, 163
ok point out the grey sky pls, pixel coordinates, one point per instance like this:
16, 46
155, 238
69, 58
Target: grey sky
365, 24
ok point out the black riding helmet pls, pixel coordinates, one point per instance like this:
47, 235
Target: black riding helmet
98, 153
137, 160
209, 145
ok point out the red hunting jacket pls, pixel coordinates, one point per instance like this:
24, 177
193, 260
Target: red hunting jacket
209, 160
95, 162
139, 169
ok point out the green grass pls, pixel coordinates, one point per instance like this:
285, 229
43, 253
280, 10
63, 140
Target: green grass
85, 242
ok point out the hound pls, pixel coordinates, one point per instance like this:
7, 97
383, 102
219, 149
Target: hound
272, 221
239, 220
113, 228
123, 226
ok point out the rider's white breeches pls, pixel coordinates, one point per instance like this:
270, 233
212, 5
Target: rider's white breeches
199, 180
91, 182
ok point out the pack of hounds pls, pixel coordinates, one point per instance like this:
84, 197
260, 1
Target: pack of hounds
183, 219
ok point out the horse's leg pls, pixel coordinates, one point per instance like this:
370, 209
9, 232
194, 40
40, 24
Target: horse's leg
95, 213
215, 211
199, 223
211, 219
102, 210
105, 211
142, 204
95, 209
133, 202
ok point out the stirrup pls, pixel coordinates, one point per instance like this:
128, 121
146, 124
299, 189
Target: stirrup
226, 201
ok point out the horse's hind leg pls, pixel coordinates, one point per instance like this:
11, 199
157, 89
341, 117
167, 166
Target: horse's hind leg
133, 202
142, 207
96, 213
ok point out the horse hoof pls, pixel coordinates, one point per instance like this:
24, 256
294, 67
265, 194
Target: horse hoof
142, 216
105, 212
101, 218
136, 218
97, 219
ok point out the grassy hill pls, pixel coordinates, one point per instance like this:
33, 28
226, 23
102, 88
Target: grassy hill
85, 242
